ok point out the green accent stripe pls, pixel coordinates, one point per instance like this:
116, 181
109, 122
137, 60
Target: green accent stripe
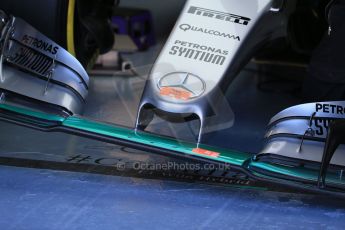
109, 130
296, 172
32, 113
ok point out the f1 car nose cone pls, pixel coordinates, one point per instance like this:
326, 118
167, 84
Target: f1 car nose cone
181, 86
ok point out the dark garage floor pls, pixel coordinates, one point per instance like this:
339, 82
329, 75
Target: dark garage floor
44, 199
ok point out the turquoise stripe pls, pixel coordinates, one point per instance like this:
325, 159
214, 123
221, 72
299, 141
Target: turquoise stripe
296, 172
109, 130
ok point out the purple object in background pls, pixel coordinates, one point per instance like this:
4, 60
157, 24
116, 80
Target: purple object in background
137, 23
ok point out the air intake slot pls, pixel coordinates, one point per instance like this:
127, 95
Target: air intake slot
29, 59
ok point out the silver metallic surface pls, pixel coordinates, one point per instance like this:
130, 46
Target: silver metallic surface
300, 131
35, 89
35, 67
331, 110
311, 151
211, 40
62, 56
296, 127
